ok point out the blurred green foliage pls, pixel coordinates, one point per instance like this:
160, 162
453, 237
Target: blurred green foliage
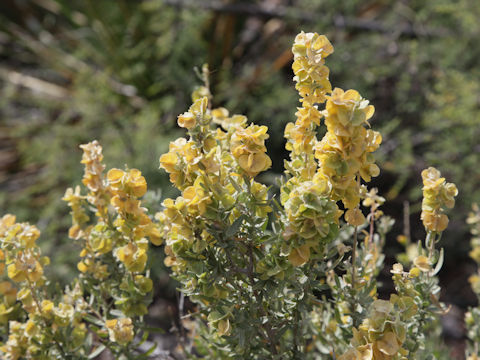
120, 72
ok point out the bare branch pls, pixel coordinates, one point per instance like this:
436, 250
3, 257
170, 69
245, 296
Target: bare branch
285, 12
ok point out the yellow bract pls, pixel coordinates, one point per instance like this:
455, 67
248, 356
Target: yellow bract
355, 217
187, 120
437, 194
300, 255
344, 152
133, 256
120, 330
248, 147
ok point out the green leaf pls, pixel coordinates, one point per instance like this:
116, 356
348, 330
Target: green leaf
97, 352
151, 350
233, 229
439, 265
93, 320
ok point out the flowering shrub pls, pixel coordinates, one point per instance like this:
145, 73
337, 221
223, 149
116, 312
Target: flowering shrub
282, 276
104, 306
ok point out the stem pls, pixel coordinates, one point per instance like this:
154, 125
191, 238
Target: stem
430, 240
372, 220
270, 335
37, 302
354, 257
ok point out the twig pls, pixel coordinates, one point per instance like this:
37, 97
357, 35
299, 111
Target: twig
372, 221
34, 84
37, 302
270, 336
354, 257
235, 267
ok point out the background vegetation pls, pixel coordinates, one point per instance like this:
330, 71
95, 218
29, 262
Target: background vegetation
121, 71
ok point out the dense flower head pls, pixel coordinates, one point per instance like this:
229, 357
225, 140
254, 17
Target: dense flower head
383, 332
115, 238
131, 182
25, 292
311, 75
344, 153
120, 330
133, 256
93, 176
92, 159
19, 253
248, 147
79, 215
437, 194
181, 162
312, 217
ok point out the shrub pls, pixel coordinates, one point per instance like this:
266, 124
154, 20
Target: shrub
283, 276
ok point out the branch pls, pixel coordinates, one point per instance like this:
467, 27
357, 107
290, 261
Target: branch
285, 12
270, 335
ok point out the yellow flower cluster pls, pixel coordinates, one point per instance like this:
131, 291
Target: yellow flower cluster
179, 221
382, 334
248, 147
122, 226
437, 194
120, 330
311, 77
213, 168
312, 218
25, 267
93, 179
122, 190
186, 160
19, 252
344, 153
181, 162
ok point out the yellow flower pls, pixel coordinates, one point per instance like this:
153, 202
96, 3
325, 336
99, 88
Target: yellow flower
300, 255
120, 330
25, 267
355, 217
224, 327
248, 147
397, 269
187, 120
47, 308
133, 256
254, 163
131, 183
6, 222
169, 161
92, 158
436, 194
414, 272
311, 75
388, 344
63, 314
136, 183
422, 263
196, 197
